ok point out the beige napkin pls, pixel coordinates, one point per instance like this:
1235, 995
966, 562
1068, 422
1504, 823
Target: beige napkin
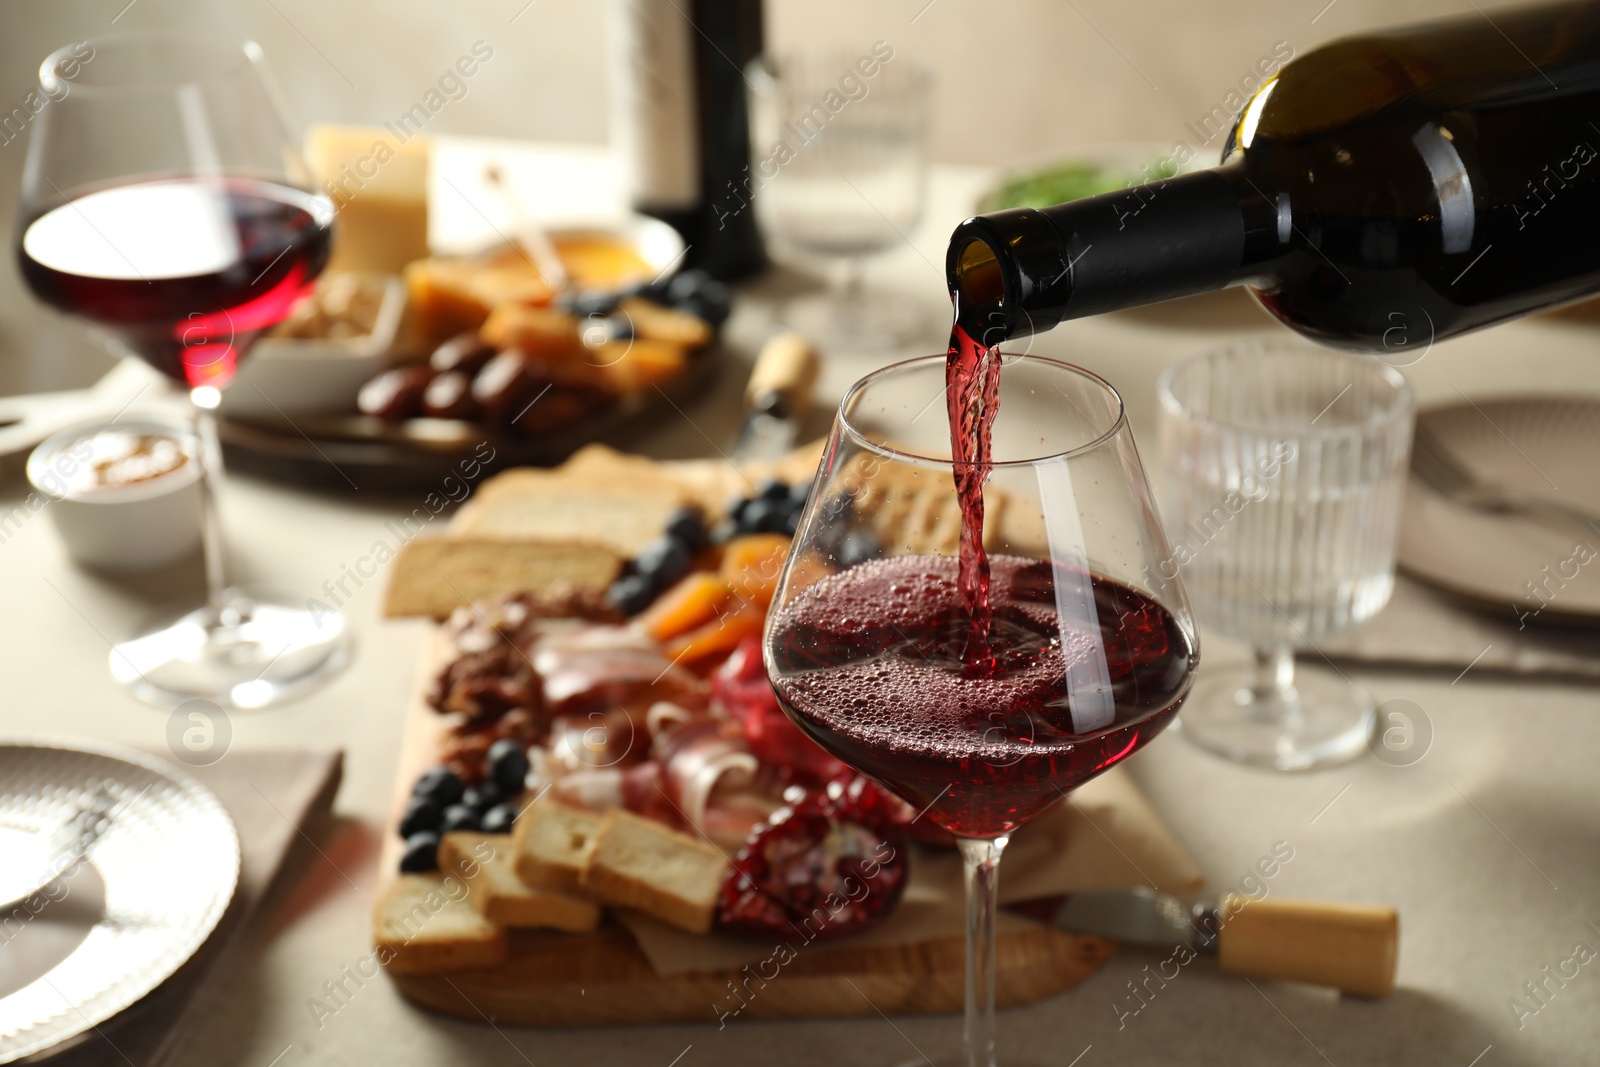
271, 796
1424, 628
1106, 837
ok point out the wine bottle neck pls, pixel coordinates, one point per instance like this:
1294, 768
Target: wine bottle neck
1024, 270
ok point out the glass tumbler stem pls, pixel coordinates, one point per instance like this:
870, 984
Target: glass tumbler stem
981, 865
219, 595
1273, 684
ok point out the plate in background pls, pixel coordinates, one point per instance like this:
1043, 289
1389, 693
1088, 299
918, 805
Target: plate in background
1524, 570
151, 888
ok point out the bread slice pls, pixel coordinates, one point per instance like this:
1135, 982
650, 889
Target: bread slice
624, 514
708, 482
640, 863
433, 576
424, 923
550, 845
484, 862
575, 525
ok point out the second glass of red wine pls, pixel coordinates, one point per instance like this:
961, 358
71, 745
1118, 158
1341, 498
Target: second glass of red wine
166, 206
1088, 651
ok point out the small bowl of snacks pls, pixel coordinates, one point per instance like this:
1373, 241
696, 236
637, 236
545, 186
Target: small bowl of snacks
315, 360
124, 496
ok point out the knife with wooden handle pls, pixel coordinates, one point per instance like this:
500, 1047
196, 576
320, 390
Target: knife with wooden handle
1353, 948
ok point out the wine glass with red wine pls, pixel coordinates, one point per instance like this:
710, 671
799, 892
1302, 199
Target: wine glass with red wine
165, 205
980, 678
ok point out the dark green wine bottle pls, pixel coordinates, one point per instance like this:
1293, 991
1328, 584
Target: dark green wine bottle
1381, 190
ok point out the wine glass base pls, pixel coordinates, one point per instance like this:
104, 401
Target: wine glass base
253, 653
1328, 721
875, 322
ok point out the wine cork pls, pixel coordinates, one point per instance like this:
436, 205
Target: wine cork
783, 378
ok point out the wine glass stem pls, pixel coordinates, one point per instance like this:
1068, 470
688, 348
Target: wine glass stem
981, 864
851, 296
1274, 675
218, 593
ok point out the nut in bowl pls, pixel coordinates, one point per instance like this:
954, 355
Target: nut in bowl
124, 496
315, 360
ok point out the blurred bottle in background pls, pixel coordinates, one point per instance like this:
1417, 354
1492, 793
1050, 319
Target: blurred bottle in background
678, 105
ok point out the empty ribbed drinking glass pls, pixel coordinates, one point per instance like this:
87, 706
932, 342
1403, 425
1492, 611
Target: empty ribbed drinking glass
1284, 470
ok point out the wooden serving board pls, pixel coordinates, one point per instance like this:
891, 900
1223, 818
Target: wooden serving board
603, 978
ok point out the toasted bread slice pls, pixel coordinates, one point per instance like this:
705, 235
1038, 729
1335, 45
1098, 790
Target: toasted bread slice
709, 482
550, 845
484, 862
433, 576
622, 513
640, 863
424, 923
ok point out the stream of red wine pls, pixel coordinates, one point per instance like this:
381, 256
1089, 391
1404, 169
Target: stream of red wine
972, 392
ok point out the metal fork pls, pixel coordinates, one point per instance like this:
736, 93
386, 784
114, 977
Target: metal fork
1443, 472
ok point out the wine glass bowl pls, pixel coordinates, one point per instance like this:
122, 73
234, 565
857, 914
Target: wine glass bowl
870, 646
151, 217
840, 155
853, 179
867, 634
165, 206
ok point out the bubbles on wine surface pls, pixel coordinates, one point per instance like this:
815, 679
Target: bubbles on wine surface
871, 663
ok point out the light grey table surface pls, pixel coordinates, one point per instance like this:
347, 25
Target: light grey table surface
1489, 846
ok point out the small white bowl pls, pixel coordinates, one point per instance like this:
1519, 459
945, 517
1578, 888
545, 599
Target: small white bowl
128, 528
291, 376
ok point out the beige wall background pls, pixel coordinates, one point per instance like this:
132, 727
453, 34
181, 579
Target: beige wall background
1013, 77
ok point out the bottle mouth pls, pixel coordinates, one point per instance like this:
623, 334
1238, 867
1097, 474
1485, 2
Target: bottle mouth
978, 287
1008, 275
979, 281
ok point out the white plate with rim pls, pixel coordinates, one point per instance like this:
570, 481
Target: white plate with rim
1521, 569
152, 887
